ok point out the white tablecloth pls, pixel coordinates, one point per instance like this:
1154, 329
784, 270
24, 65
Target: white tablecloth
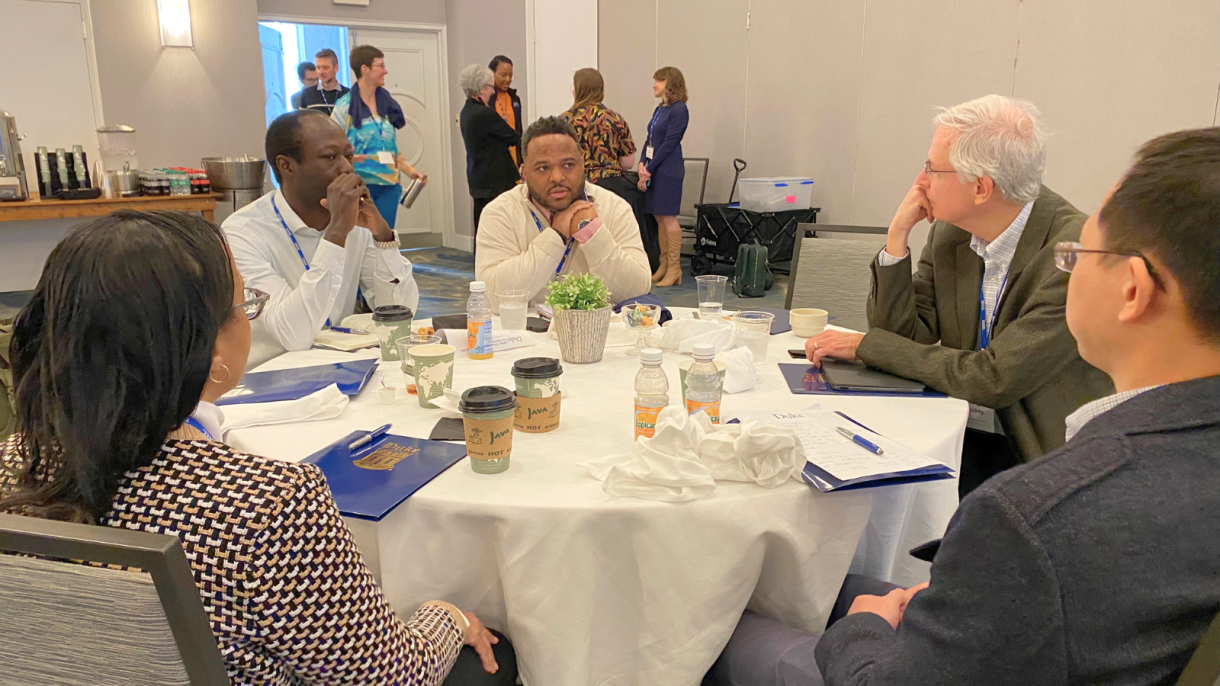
600, 590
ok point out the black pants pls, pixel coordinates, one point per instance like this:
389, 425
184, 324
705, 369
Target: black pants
623, 188
468, 670
479, 204
983, 456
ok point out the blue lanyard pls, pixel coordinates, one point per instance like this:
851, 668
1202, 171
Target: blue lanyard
984, 326
194, 424
655, 116
569, 241
296, 245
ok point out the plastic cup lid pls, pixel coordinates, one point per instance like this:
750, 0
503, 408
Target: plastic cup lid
477, 286
392, 313
703, 350
653, 355
536, 368
487, 399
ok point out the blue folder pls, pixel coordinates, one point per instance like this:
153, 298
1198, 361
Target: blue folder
290, 384
825, 482
805, 379
373, 480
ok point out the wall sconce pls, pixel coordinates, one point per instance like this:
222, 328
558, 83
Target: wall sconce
175, 18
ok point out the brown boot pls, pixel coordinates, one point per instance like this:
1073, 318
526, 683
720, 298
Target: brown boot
673, 277
663, 239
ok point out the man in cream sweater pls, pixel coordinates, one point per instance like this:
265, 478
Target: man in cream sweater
556, 224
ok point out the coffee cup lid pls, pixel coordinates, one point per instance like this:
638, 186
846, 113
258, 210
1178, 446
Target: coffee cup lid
487, 399
536, 368
392, 313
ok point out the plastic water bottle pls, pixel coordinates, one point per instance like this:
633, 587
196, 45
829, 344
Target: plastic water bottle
651, 392
703, 383
478, 322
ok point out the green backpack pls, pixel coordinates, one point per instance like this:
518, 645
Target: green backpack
751, 275
8, 407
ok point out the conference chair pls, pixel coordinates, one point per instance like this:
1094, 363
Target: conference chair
1204, 667
830, 270
135, 620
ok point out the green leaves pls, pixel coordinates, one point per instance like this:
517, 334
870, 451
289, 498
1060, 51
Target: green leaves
577, 292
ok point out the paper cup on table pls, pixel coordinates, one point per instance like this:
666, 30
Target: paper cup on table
488, 413
684, 367
808, 322
433, 371
391, 323
414, 340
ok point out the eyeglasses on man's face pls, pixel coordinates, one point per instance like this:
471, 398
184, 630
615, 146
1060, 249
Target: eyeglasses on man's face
1067, 254
927, 169
253, 305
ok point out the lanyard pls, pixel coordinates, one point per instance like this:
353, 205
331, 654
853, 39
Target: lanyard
296, 245
984, 326
569, 241
655, 116
194, 424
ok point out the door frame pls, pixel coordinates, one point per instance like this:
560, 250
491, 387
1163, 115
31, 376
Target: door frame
448, 234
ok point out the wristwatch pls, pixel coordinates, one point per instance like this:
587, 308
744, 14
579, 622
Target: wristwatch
583, 224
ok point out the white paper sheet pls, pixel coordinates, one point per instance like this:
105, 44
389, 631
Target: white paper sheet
500, 340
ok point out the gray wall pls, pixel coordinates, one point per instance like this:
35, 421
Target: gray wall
418, 11
478, 31
184, 103
844, 91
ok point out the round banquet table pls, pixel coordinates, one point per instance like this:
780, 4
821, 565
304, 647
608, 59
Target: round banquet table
602, 590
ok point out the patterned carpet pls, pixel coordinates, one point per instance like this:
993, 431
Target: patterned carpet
444, 274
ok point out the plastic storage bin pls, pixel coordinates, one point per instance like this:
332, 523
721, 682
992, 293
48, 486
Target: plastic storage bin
776, 194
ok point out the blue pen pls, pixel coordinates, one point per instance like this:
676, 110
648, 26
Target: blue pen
344, 329
368, 438
860, 441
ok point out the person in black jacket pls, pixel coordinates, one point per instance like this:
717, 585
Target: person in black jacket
490, 169
505, 100
1097, 564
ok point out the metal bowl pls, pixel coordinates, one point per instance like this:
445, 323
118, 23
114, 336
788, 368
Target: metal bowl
235, 172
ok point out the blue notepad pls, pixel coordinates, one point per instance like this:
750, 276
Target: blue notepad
373, 480
805, 379
290, 384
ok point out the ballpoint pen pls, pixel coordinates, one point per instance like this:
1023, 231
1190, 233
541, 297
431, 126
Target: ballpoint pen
368, 438
344, 329
860, 441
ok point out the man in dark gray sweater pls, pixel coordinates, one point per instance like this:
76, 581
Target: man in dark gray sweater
1100, 563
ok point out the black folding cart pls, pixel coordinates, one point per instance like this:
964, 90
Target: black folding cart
721, 228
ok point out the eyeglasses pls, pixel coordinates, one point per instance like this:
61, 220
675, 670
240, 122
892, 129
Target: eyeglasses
254, 303
927, 169
1067, 255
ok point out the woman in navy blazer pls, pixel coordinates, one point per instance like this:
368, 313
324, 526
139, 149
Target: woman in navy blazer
662, 169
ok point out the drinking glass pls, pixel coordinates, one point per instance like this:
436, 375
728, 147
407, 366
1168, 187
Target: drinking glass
754, 332
641, 319
513, 307
711, 294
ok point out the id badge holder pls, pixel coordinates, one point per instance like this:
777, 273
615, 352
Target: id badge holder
386, 158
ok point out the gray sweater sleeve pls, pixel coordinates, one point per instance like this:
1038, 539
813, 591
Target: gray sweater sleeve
991, 615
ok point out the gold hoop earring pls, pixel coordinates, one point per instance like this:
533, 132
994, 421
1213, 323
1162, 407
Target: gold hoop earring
215, 380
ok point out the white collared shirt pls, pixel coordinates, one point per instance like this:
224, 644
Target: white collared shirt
211, 418
1090, 411
303, 300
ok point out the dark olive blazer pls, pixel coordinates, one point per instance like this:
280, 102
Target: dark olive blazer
926, 327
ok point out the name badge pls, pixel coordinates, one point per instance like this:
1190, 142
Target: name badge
983, 419
385, 158
648, 152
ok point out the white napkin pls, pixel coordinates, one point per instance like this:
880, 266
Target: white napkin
741, 374
683, 334
686, 456
327, 403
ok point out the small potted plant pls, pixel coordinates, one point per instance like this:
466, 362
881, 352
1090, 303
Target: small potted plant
582, 316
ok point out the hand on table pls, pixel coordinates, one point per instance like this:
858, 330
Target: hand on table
840, 345
345, 197
563, 220
890, 607
478, 637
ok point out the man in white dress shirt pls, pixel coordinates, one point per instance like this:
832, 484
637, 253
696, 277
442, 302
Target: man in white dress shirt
317, 246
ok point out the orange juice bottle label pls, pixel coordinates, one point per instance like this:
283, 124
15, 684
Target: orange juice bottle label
646, 421
712, 409
478, 340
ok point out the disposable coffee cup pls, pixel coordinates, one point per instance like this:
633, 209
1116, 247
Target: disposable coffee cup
537, 377
432, 367
487, 417
390, 323
684, 367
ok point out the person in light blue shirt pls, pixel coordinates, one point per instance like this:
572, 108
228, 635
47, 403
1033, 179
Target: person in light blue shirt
371, 118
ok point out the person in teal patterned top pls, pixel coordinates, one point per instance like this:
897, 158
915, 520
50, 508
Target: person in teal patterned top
371, 118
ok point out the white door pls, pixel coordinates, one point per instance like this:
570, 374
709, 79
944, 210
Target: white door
273, 72
413, 61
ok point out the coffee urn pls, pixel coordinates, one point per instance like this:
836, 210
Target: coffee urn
12, 169
239, 180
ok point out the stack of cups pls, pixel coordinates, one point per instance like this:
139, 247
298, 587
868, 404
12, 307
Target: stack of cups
487, 417
538, 396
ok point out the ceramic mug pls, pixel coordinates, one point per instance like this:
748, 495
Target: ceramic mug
807, 321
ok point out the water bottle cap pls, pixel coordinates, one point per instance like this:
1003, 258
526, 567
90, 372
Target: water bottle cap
651, 356
703, 351
477, 286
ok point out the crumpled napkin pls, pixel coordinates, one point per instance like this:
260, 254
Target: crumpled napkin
740, 374
327, 403
688, 454
682, 334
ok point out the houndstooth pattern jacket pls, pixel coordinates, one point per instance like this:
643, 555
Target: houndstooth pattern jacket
290, 600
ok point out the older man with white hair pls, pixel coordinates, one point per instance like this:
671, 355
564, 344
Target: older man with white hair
982, 318
490, 169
